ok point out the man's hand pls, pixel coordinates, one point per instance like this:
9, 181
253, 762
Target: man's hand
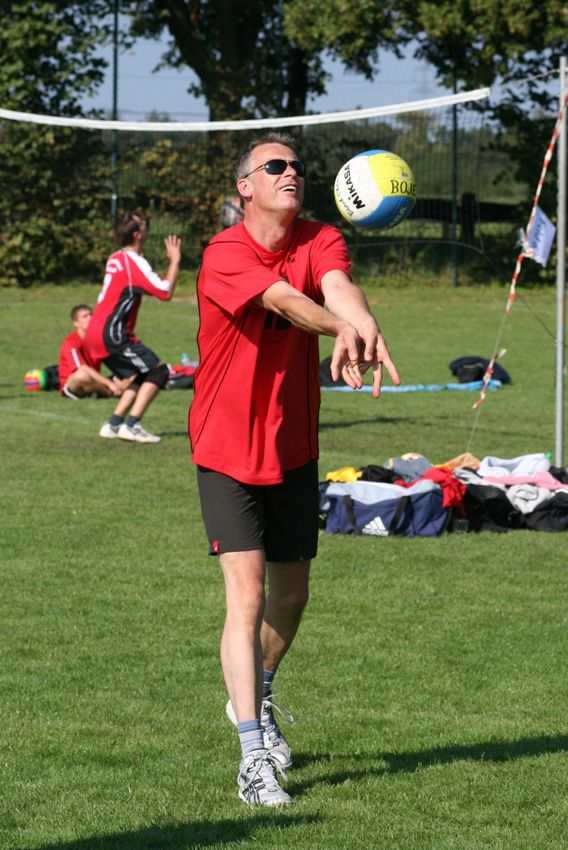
375, 354
347, 356
348, 302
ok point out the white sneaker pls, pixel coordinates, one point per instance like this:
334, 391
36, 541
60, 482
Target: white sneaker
108, 431
136, 434
258, 783
274, 740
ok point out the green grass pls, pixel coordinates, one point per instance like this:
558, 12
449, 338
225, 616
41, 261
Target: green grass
428, 678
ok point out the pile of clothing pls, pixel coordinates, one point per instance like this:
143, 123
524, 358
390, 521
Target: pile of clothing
409, 496
524, 492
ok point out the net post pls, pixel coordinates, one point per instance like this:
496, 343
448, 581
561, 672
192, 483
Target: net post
455, 191
114, 137
561, 270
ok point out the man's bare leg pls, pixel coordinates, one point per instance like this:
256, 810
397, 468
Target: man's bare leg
288, 593
241, 655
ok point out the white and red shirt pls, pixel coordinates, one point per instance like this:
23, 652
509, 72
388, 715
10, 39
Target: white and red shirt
73, 353
127, 277
256, 395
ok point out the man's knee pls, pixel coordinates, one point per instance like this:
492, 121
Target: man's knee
158, 375
299, 601
244, 583
291, 604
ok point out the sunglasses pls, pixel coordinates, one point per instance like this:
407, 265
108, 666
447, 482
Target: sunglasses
279, 166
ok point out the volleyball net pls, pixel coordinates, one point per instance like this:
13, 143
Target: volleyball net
63, 178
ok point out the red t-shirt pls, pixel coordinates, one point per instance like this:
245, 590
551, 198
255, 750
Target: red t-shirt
73, 353
127, 277
255, 409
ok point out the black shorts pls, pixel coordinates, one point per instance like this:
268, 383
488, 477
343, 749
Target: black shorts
136, 359
282, 518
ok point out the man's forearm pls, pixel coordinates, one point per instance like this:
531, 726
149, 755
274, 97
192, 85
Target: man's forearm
304, 313
350, 304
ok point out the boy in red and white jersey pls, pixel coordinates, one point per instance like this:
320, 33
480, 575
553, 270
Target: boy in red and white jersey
110, 335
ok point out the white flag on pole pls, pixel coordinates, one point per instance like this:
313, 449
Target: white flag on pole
541, 237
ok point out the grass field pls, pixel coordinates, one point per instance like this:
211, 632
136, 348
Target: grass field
428, 679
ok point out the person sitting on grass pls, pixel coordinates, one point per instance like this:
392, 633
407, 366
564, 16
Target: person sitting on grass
79, 374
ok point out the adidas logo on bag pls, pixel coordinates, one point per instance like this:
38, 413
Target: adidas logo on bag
376, 527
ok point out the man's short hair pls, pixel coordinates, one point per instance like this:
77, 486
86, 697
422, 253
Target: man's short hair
77, 308
125, 227
243, 163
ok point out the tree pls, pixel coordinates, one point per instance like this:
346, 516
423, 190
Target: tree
237, 48
475, 43
352, 31
49, 177
247, 53
48, 54
469, 42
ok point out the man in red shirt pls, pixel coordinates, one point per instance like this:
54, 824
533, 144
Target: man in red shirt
253, 427
79, 374
110, 335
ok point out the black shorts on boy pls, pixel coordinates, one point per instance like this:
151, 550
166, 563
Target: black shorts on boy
136, 359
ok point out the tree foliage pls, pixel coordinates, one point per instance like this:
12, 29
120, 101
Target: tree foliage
468, 42
352, 31
48, 54
245, 64
248, 54
51, 179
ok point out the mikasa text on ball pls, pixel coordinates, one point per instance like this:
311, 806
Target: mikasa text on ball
375, 190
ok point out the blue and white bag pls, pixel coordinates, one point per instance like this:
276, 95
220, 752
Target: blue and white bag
384, 510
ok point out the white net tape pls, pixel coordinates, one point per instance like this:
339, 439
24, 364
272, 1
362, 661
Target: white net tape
252, 124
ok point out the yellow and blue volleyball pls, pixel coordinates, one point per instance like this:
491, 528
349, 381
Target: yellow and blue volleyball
35, 379
375, 190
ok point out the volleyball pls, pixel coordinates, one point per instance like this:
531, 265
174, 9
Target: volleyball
375, 190
35, 379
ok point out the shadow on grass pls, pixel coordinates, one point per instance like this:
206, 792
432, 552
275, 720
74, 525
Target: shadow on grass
392, 763
202, 833
167, 434
370, 420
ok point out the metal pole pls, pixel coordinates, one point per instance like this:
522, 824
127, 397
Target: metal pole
561, 273
280, 80
455, 191
114, 137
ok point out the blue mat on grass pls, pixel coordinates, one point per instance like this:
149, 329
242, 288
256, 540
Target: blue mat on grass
413, 388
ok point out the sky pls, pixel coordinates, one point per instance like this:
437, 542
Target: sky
140, 91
